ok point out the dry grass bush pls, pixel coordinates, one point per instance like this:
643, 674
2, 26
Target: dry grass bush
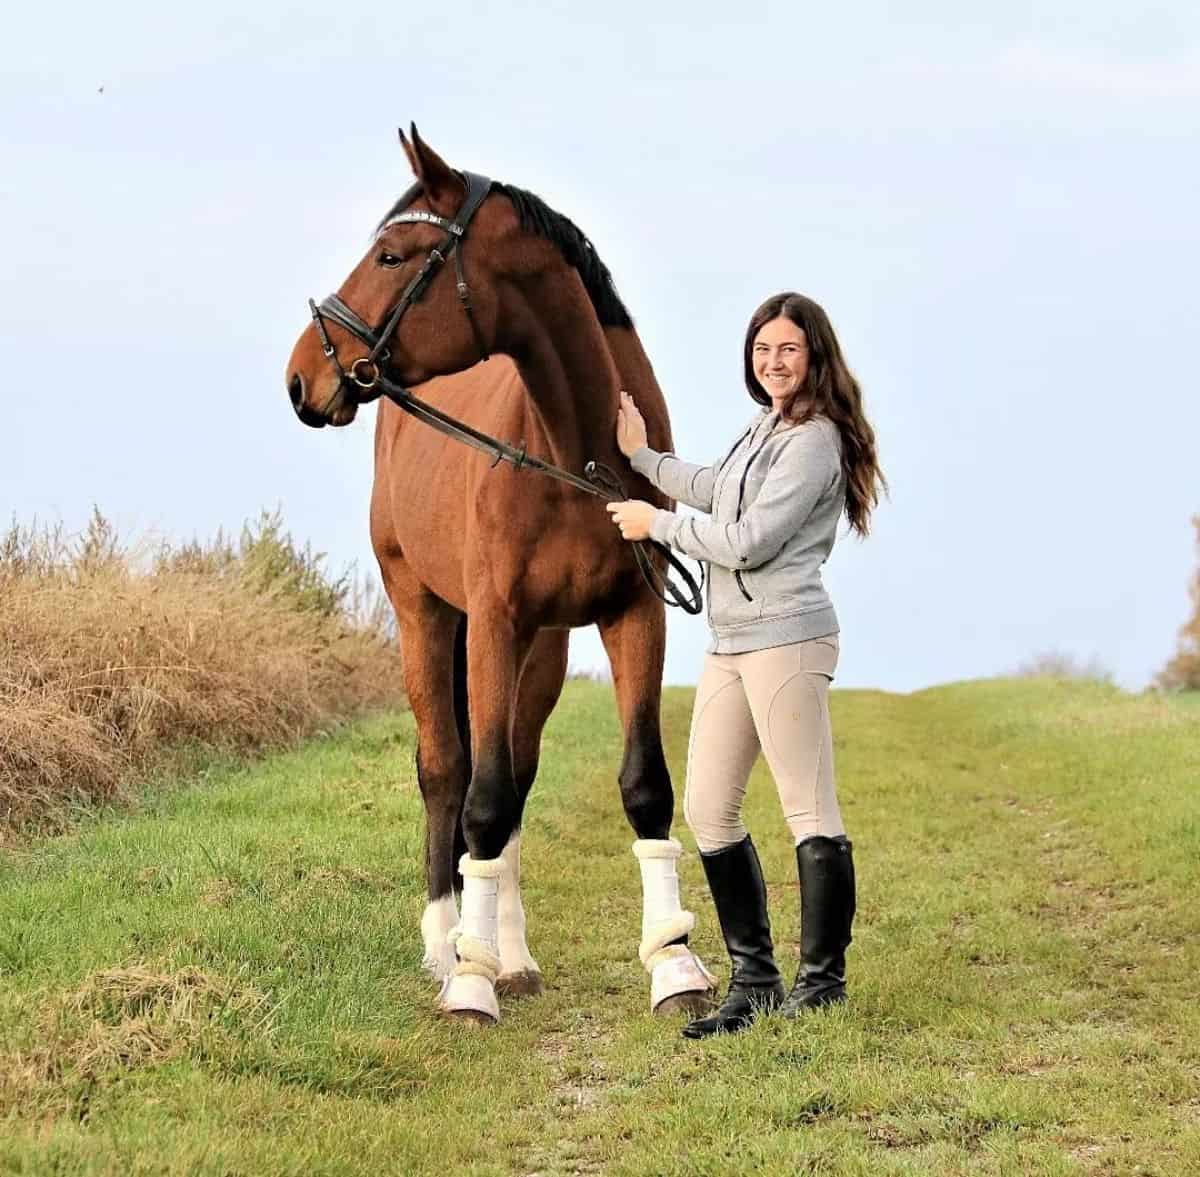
1182, 673
111, 661
1057, 664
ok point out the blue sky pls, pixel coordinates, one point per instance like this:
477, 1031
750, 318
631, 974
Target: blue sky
997, 210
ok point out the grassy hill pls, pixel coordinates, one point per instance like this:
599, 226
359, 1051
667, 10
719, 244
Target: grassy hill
226, 980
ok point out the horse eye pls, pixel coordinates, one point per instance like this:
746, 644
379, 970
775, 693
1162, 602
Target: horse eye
390, 260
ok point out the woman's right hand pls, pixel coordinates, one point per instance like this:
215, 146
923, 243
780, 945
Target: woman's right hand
631, 428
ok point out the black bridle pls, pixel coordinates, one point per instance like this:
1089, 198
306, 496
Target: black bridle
366, 373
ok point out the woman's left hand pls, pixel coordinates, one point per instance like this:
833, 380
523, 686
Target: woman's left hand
633, 517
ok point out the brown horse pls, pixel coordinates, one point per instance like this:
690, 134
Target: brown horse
488, 567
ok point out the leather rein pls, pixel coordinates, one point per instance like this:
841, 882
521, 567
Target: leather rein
366, 372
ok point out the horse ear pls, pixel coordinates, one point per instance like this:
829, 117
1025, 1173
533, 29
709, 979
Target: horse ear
412, 159
442, 185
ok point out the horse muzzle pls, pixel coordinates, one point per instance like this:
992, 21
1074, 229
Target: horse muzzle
339, 409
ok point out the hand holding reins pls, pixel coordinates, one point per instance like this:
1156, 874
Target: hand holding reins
633, 518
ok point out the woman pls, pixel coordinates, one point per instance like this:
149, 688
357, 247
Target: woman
775, 499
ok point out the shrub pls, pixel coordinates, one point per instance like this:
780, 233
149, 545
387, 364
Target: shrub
1057, 664
266, 561
1183, 671
110, 663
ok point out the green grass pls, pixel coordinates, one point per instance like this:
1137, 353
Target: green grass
226, 981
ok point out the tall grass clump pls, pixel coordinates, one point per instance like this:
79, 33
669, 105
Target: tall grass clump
1061, 665
1182, 673
113, 660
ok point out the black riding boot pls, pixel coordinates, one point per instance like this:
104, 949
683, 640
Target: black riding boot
826, 868
740, 895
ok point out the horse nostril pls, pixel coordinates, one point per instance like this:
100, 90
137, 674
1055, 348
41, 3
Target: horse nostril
296, 390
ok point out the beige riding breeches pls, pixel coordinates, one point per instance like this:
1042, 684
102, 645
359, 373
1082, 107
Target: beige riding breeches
776, 701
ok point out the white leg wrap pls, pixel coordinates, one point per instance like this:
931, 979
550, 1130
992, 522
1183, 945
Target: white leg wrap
663, 920
439, 920
514, 952
472, 986
673, 968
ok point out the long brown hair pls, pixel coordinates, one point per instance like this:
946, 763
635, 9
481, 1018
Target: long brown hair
830, 390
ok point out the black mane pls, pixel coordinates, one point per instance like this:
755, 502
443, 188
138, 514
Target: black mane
536, 216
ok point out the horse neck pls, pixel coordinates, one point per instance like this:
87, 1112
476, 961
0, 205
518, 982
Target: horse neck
572, 377
638, 379
574, 369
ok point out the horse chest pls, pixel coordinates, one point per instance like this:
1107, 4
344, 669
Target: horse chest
562, 565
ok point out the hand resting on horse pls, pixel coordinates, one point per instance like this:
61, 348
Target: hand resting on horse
633, 516
631, 427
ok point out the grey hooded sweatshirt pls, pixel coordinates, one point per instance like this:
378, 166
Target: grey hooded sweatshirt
774, 503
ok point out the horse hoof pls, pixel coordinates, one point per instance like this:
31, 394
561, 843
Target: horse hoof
468, 997
472, 1019
526, 983
693, 1004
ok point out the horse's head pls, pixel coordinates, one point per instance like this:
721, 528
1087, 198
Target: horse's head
398, 314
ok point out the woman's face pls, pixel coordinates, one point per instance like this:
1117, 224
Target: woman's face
780, 359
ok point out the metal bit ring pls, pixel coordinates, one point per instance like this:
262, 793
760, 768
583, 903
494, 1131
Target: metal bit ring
364, 382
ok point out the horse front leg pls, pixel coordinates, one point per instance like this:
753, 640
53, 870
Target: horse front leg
635, 643
491, 813
428, 628
540, 686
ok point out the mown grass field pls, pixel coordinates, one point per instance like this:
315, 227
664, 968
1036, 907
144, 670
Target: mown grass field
226, 980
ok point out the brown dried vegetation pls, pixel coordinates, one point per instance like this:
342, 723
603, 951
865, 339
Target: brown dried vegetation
1183, 671
112, 661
